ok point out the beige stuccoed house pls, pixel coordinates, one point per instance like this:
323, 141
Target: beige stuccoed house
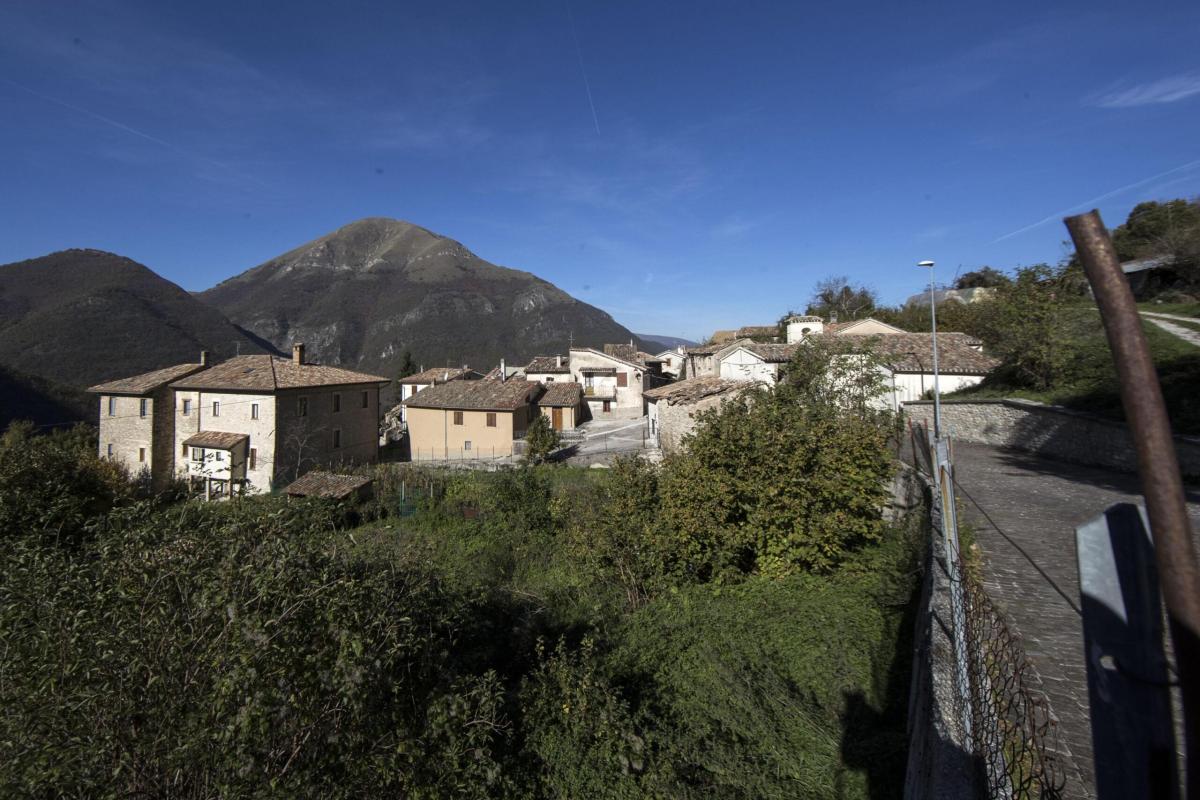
562, 405
432, 377
470, 419
255, 422
137, 420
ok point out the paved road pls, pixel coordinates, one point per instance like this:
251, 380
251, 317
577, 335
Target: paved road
605, 439
1189, 335
1037, 503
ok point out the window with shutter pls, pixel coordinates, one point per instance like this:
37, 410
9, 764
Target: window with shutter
491, 419
458, 418
622, 379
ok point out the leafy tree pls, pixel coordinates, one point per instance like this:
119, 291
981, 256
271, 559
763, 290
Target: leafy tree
407, 365
982, 278
835, 296
1024, 326
1156, 229
781, 481
540, 440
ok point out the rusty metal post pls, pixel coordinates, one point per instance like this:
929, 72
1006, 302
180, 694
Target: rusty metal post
1158, 466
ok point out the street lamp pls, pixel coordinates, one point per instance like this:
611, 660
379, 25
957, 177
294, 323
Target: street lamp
937, 393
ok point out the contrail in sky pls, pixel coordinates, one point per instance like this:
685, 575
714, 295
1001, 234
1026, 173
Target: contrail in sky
1058, 215
130, 130
579, 52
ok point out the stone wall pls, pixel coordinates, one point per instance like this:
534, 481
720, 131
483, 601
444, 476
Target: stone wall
676, 420
1050, 431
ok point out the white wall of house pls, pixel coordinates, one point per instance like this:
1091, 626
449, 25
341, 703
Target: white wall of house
913, 385
626, 400
742, 365
235, 415
653, 422
407, 390
798, 329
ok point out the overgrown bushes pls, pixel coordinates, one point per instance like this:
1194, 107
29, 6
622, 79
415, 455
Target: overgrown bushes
730, 625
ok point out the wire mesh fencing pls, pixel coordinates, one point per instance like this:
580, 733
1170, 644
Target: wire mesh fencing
1013, 733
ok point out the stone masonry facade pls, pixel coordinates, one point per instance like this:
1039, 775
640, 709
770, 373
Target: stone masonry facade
1051, 431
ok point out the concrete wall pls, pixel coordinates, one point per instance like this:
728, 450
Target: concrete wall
912, 385
433, 434
1049, 431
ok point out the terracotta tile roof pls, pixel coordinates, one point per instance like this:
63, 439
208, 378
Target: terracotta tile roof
548, 365
146, 382
913, 352
326, 484
773, 353
561, 394
625, 352
440, 375
750, 331
695, 389
217, 440
477, 395
269, 373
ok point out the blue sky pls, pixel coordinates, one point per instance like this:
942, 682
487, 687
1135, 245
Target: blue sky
685, 166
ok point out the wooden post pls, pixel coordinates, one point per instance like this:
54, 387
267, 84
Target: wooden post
1123, 647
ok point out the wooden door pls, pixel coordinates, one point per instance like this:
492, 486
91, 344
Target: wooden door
556, 418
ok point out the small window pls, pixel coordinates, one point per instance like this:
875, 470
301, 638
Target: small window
337, 438
110, 450
337, 402
218, 455
216, 408
458, 418
549, 379
112, 406
197, 454
143, 404
183, 451
366, 400
622, 379
607, 406
187, 407
302, 407
253, 457
254, 411
142, 455
491, 419
467, 445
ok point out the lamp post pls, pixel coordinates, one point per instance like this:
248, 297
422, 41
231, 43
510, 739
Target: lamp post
937, 393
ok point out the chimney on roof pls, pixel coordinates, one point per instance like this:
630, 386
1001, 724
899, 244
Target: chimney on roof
298, 353
204, 358
833, 318
558, 361
503, 374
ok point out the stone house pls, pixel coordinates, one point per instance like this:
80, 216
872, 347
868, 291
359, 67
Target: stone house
276, 418
562, 405
470, 419
672, 409
701, 360
612, 385
137, 420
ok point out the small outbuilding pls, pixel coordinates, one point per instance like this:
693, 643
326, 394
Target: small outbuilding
330, 486
562, 405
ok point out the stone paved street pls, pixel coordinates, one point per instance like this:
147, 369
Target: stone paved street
1038, 503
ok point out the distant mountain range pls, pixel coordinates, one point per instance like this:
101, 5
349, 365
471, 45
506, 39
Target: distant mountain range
358, 297
362, 295
78, 317
667, 342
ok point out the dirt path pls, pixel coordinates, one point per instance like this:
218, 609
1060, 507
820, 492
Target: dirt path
1189, 335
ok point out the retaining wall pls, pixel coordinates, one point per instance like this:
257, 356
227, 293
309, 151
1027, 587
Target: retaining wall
1051, 431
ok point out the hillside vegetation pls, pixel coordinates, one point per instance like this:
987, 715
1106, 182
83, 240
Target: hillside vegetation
545, 632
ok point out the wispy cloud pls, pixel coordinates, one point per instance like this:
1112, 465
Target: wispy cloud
1164, 90
734, 227
1058, 215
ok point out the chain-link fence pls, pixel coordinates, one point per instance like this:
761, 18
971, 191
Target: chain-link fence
1013, 734
1005, 718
